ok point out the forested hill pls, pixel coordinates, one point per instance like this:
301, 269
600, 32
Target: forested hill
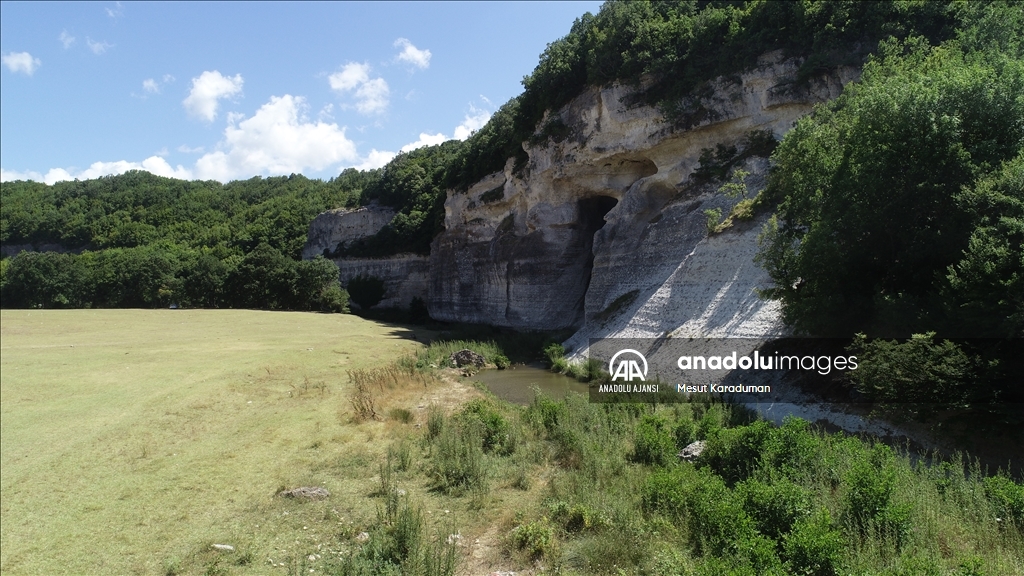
142, 240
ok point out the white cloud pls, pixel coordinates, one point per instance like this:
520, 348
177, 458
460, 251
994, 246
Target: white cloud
425, 140
412, 54
11, 175
66, 39
153, 164
116, 11
278, 139
372, 95
97, 47
207, 89
186, 150
375, 159
474, 120
150, 85
21, 62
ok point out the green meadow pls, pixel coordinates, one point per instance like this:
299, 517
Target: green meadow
133, 440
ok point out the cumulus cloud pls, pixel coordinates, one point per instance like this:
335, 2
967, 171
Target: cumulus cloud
278, 139
150, 85
66, 39
153, 164
375, 159
474, 120
412, 54
371, 94
425, 140
207, 90
97, 47
21, 62
186, 150
12, 175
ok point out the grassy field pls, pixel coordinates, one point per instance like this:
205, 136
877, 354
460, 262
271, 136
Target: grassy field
132, 440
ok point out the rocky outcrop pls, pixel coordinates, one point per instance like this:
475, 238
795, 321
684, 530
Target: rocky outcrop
605, 230
405, 276
337, 227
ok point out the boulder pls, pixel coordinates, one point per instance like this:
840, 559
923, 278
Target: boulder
467, 357
692, 451
307, 492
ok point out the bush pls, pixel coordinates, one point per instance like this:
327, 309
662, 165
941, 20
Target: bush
1008, 496
734, 452
578, 517
774, 507
458, 464
814, 547
534, 538
499, 436
654, 441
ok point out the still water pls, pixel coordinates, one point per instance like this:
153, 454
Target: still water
516, 384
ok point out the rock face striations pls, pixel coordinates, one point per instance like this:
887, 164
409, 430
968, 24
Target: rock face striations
604, 230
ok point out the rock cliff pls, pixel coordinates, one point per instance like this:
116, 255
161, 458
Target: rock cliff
604, 231
337, 227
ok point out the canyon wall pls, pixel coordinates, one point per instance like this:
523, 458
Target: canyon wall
604, 230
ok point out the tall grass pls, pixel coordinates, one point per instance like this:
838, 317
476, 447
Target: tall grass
437, 354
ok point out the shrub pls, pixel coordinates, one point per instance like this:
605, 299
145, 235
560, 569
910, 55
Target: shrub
774, 507
1007, 495
534, 538
578, 517
458, 465
715, 516
684, 431
499, 436
814, 547
654, 441
734, 452
435, 421
870, 484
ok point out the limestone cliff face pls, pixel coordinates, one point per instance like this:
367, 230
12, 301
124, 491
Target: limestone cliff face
605, 231
405, 276
335, 227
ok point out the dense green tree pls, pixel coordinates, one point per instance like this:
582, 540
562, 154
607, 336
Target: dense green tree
873, 208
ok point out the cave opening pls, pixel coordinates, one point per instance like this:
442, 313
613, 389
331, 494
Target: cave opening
592, 211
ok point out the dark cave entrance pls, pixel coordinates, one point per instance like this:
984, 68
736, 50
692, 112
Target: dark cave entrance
592, 211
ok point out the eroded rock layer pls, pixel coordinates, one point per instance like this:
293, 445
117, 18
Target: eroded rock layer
605, 231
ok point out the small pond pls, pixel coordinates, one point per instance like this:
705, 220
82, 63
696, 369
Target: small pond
516, 384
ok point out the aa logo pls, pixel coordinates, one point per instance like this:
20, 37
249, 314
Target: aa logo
627, 368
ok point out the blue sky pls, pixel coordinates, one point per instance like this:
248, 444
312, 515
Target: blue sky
233, 90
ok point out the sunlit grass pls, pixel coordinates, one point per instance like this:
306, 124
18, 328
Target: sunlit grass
132, 440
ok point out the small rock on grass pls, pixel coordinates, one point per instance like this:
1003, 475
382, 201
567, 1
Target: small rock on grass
692, 451
307, 492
